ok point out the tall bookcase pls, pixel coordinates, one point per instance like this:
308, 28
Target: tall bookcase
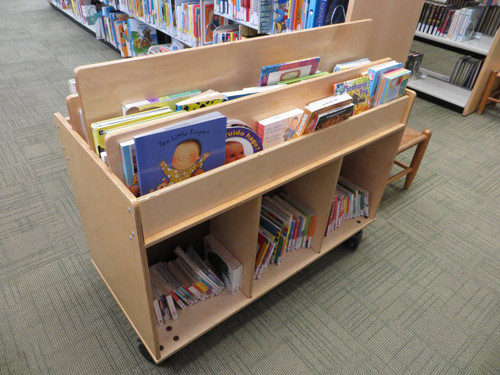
126, 234
467, 100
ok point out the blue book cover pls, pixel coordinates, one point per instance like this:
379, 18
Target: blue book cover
179, 151
311, 13
320, 14
376, 71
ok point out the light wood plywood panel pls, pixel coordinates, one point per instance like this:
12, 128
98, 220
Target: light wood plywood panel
110, 215
395, 22
224, 67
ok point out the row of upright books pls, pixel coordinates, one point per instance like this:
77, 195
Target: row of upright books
457, 23
350, 201
466, 71
278, 16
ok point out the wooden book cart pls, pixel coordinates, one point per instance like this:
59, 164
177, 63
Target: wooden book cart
126, 234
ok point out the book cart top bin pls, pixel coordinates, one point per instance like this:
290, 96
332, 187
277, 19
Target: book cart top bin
120, 227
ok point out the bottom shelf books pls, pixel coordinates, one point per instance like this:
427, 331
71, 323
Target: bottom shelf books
285, 225
350, 201
189, 278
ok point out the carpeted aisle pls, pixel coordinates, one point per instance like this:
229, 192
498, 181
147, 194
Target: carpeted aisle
420, 295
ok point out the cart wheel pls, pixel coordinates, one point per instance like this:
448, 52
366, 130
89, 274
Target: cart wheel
354, 241
146, 355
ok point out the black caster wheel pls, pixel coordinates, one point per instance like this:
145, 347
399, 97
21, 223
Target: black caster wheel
354, 241
144, 352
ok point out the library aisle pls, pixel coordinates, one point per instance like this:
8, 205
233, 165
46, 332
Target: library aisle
421, 294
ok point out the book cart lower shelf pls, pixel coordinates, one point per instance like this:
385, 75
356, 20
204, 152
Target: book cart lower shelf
126, 234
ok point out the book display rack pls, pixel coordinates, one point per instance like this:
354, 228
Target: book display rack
126, 234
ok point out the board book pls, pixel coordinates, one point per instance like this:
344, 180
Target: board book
376, 71
241, 141
312, 110
358, 89
180, 151
100, 128
204, 99
391, 86
272, 74
279, 128
153, 103
350, 64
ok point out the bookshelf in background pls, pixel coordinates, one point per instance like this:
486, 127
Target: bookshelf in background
465, 27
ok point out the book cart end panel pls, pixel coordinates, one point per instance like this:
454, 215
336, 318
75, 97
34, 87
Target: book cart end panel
104, 87
110, 218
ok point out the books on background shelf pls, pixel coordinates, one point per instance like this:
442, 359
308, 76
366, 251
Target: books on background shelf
350, 201
285, 225
459, 20
466, 71
414, 62
190, 278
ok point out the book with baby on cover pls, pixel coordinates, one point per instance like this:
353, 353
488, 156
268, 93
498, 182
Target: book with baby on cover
180, 151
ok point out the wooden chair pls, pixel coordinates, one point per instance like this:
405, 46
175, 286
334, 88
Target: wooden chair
488, 95
411, 138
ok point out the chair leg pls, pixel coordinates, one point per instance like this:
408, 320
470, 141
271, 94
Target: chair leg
487, 92
417, 158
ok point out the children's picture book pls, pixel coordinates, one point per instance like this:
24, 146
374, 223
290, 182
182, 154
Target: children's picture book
376, 71
180, 151
299, 79
281, 13
391, 86
327, 119
279, 128
307, 123
204, 99
241, 141
129, 163
100, 128
358, 89
226, 265
350, 64
272, 74
153, 103
141, 36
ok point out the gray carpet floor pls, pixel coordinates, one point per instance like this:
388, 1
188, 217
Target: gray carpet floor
420, 295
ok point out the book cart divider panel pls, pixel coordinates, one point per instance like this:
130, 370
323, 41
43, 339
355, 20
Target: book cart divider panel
237, 229
105, 86
249, 109
111, 221
315, 190
491, 63
275, 166
74, 106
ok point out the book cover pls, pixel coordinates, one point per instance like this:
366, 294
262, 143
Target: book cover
153, 103
281, 13
100, 128
350, 64
279, 128
374, 73
204, 99
272, 74
180, 151
241, 141
334, 116
312, 110
129, 163
141, 36
358, 89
